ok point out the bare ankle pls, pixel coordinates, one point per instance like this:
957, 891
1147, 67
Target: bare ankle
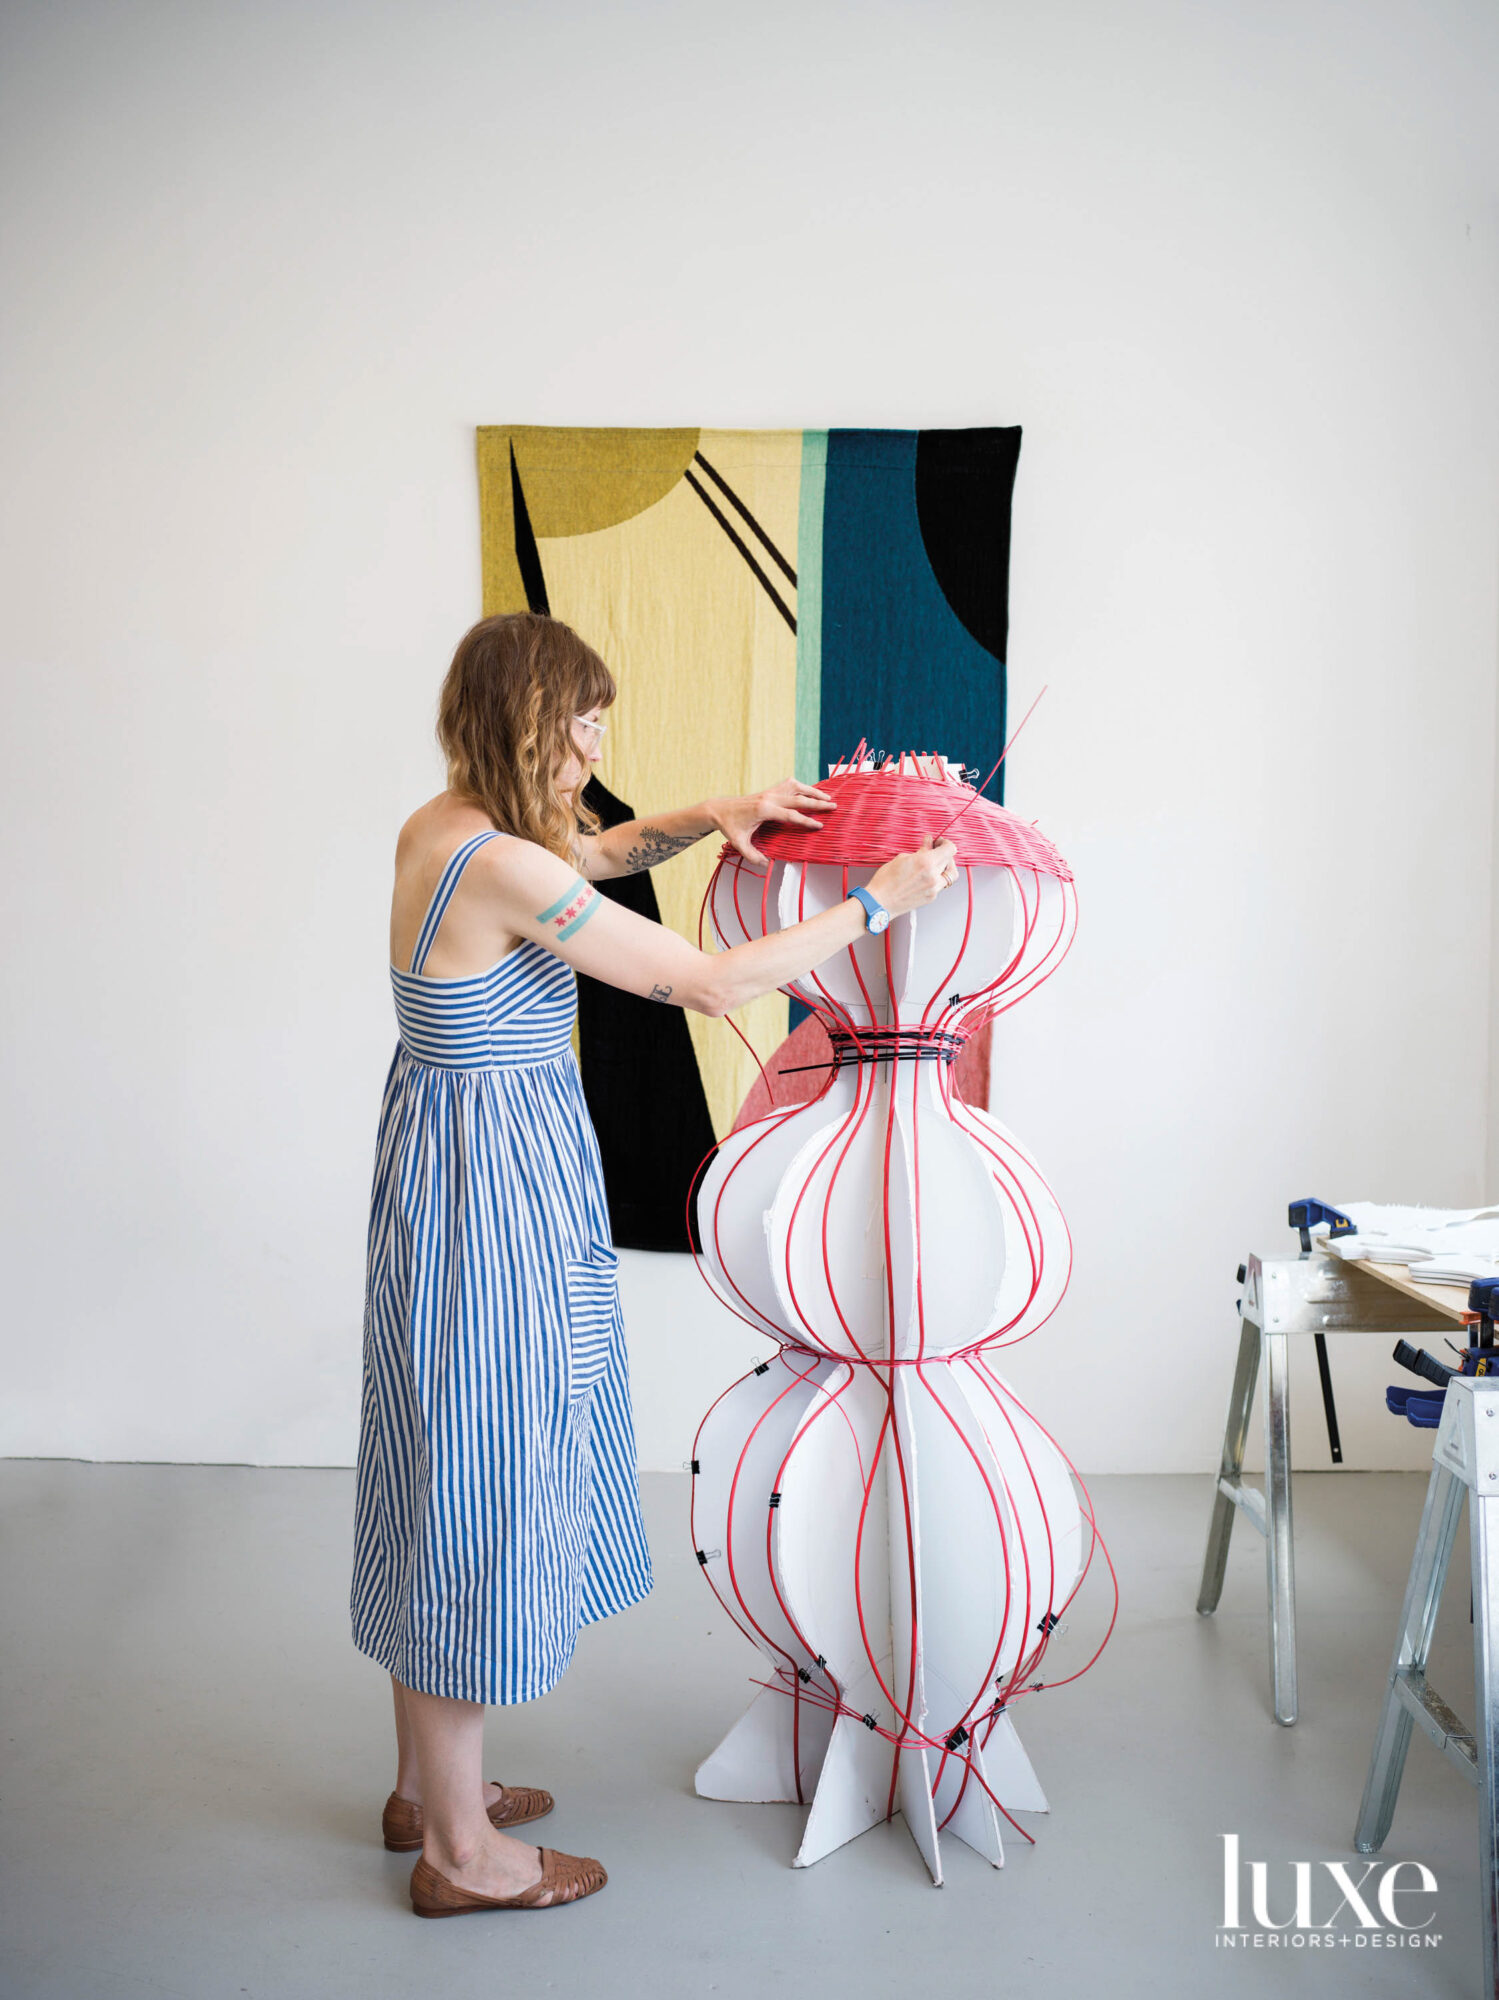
452, 1855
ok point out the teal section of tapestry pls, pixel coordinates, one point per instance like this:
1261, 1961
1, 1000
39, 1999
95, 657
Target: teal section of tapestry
915, 577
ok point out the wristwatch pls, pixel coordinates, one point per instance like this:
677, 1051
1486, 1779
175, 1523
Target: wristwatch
876, 916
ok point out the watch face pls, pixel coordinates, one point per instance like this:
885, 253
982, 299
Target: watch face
880, 920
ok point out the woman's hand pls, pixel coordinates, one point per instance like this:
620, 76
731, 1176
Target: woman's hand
790, 801
908, 880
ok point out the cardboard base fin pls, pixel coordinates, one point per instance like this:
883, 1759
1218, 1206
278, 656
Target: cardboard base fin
756, 1761
1010, 1772
914, 1789
852, 1793
974, 1819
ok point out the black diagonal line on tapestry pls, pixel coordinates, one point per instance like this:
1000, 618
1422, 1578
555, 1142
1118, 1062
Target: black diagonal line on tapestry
723, 522
527, 555
754, 526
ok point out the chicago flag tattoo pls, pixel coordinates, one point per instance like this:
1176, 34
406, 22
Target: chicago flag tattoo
570, 912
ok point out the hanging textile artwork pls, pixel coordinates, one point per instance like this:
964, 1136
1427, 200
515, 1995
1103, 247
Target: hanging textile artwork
765, 599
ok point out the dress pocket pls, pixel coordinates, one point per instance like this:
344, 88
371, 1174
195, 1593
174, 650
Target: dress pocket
592, 1307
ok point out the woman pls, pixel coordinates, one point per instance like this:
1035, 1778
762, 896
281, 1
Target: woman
497, 1506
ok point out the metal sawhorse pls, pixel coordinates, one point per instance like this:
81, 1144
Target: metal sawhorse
1465, 1461
1311, 1294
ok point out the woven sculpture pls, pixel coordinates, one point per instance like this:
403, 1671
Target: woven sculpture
875, 1507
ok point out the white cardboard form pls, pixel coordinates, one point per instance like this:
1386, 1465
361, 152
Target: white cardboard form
874, 1506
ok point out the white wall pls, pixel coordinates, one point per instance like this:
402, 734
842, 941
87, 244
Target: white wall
1234, 270
1491, 1165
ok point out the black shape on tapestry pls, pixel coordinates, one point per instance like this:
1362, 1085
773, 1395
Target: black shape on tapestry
527, 555
641, 1082
965, 481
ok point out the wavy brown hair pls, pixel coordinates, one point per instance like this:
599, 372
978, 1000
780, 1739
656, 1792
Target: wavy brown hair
504, 722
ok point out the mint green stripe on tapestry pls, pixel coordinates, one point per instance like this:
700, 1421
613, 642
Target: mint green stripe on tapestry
809, 608
581, 918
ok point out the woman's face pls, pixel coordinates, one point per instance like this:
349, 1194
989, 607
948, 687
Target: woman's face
587, 738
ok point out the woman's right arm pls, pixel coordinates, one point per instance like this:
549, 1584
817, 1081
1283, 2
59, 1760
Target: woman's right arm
544, 899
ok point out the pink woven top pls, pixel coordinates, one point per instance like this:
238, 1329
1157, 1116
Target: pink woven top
880, 813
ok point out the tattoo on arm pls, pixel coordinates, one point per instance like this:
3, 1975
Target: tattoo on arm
659, 993
569, 913
652, 845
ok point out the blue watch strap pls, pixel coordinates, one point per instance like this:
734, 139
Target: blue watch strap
871, 904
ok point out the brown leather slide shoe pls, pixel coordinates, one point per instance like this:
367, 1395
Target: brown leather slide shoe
565, 1878
401, 1822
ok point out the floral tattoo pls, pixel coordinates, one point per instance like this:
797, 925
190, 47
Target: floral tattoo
652, 846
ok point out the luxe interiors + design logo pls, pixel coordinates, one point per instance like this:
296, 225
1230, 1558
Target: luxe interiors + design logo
1381, 1909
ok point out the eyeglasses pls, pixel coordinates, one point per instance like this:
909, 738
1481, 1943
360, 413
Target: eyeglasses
598, 729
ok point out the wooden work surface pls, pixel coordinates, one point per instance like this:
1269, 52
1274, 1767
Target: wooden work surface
1449, 1300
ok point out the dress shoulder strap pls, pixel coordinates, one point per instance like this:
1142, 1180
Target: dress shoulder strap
442, 895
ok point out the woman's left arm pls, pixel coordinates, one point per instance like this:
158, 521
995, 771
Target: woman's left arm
638, 844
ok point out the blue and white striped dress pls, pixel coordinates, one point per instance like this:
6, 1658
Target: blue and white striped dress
497, 1507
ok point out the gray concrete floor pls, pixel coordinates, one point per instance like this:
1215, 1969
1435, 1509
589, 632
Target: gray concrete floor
195, 1759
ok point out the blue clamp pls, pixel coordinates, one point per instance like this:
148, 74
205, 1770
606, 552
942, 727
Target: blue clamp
1303, 1215
1419, 1403
1419, 1408
1483, 1299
